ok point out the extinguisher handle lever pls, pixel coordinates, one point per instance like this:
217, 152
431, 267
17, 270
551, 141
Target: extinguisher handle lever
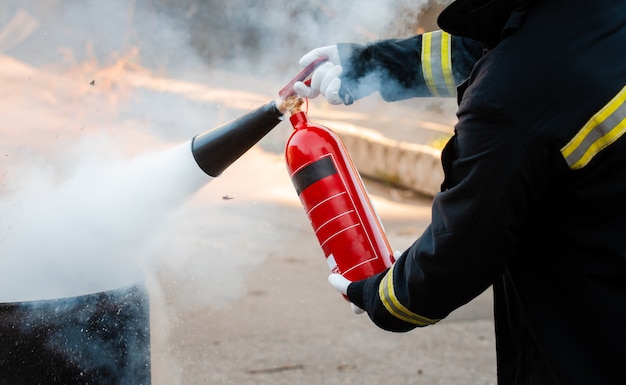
302, 76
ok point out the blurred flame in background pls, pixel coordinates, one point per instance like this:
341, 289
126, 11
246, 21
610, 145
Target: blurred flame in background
112, 78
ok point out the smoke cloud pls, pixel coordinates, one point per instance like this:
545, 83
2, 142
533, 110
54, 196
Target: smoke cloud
93, 229
84, 205
182, 37
97, 182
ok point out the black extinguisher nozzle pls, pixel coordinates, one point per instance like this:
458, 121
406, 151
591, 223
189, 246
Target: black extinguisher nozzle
219, 147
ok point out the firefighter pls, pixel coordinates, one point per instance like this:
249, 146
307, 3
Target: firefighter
533, 202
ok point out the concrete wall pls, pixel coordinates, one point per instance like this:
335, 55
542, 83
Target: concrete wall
410, 165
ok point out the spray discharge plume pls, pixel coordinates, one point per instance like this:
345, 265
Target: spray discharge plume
93, 230
89, 232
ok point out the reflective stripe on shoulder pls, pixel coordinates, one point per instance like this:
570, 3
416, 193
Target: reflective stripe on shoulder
393, 306
604, 128
437, 63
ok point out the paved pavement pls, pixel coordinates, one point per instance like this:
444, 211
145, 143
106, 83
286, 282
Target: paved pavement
290, 327
239, 295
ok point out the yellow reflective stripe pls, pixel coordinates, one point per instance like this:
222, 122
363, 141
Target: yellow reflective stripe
604, 128
437, 63
446, 62
394, 307
426, 64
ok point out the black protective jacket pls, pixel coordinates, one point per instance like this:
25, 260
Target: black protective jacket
534, 198
432, 64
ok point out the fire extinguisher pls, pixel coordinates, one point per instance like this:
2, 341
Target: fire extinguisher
333, 194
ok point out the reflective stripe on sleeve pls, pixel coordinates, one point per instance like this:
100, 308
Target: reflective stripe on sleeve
437, 63
604, 128
392, 304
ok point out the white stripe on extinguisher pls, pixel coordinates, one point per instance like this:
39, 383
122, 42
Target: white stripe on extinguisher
332, 219
339, 232
324, 201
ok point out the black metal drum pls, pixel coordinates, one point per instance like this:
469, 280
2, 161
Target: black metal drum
101, 338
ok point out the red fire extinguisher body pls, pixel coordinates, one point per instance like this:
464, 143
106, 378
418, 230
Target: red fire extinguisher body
336, 202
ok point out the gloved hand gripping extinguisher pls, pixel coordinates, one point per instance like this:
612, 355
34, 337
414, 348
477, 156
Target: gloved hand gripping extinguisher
333, 194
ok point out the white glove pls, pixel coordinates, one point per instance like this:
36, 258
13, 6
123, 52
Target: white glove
325, 78
340, 283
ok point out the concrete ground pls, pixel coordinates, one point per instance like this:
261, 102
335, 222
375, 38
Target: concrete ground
239, 295
289, 326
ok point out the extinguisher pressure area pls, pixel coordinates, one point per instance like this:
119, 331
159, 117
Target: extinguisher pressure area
336, 202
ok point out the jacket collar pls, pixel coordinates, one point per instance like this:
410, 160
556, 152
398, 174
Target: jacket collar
487, 21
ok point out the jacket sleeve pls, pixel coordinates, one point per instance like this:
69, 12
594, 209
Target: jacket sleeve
492, 177
430, 64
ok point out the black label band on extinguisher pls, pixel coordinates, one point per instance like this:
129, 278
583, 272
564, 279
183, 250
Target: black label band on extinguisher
313, 172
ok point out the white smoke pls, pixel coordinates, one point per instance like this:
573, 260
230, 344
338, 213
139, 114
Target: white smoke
96, 194
93, 229
104, 207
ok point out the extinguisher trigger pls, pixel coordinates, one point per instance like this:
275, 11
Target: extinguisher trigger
303, 76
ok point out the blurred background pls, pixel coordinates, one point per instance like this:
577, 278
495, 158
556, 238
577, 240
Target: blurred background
243, 32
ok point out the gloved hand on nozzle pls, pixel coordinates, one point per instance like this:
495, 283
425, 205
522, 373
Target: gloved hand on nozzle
325, 79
